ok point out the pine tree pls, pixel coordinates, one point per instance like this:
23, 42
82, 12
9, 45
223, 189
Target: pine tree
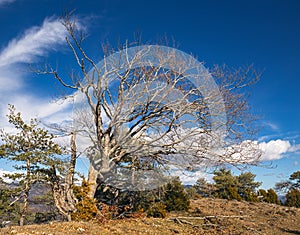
247, 186
33, 150
293, 198
292, 187
175, 197
292, 183
226, 185
272, 196
269, 196
203, 188
295, 177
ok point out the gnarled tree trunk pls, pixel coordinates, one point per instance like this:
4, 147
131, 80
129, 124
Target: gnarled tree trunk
63, 195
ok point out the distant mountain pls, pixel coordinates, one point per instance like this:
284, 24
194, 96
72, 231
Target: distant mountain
40, 200
187, 185
282, 198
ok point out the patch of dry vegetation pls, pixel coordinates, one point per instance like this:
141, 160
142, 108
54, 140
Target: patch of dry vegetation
206, 216
234, 217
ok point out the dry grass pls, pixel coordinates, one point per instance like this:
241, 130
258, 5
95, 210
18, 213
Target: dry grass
206, 216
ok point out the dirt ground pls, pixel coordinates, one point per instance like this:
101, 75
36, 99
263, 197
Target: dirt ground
206, 216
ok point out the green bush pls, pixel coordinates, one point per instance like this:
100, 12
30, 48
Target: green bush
157, 210
86, 206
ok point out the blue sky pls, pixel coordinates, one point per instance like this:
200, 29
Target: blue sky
237, 33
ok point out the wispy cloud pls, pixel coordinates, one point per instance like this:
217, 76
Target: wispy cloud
271, 125
292, 136
265, 138
35, 42
30, 106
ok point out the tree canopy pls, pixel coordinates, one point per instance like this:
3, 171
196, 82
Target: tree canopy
155, 104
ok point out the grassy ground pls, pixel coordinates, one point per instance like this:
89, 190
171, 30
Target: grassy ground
206, 216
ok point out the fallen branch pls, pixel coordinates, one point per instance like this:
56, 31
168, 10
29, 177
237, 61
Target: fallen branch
180, 221
209, 217
183, 219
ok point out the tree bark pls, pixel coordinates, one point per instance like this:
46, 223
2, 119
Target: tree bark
92, 181
64, 199
24, 209
63, 195
26, 194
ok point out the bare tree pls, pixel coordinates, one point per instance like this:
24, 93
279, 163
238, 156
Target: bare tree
153, 104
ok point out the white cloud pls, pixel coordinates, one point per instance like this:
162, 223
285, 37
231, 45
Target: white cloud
35, 42
191, 178
270, 150
275, 149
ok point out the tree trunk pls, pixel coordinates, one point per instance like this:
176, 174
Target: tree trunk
63, 195
93, 174
133, 171
104, 167
24, 209
70, 175
92, 181
26, 193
